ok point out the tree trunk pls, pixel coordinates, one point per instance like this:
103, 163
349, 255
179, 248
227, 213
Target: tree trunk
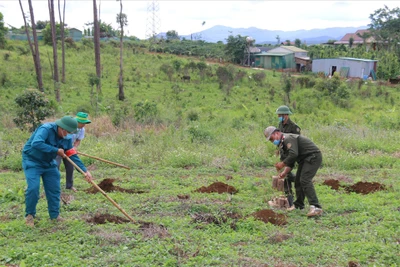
35, 46
96, 39
121, 93
62, 23
55, 57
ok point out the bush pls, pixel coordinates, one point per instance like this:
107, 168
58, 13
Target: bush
199, 134
70, 42
23, 51
33, 108
193, 115
145, 112
259, 77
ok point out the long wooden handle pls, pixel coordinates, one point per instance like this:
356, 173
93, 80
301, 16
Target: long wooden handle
107, 161
101, 191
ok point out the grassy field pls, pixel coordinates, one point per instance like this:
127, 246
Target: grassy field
188, 136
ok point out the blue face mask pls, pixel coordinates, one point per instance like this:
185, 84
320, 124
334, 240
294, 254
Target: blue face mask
276, 142
281, 119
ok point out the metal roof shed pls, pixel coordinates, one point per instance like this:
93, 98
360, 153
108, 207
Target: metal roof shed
284, 60
357, 67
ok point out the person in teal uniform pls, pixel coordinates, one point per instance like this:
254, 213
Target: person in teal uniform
38, 161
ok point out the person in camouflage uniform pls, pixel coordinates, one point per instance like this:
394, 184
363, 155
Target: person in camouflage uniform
297, 148
286, 125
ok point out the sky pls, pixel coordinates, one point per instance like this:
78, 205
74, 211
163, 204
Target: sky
186, 16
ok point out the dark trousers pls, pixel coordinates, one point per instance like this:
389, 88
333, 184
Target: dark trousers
303, 183
289, 179
69, 172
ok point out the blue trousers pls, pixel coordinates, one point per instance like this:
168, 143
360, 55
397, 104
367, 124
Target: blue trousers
51, 182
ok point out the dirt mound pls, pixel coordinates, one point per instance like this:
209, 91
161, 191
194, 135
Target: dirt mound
334, 184
219, 218
270, 216
359, 188
217, 187
365, 187
108, 186
148, 228
104, 218
354, 264
278, 238
66, 198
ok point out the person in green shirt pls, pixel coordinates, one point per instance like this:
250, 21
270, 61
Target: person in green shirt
286, 125
297, 148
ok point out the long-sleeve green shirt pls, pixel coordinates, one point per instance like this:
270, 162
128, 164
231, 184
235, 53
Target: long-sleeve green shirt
296, 148
289, 127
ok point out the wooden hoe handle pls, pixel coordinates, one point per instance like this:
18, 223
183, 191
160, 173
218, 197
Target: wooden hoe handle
104, 160
101, 191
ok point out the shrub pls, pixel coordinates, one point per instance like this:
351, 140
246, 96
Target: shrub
33, 108
259, 77
177, 64
6, 56
193, 115
87, 42
199, 134
23, 51
168, 70
3, 79
70, 42
145, 112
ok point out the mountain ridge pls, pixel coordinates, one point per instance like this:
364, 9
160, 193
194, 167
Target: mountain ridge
264, 36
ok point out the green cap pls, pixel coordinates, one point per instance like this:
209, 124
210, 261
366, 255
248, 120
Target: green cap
82, 117
68, 123
282, 110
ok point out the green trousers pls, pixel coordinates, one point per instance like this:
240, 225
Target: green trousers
303, 183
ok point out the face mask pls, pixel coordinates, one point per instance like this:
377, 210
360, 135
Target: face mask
64, 136
281, 119
276, 142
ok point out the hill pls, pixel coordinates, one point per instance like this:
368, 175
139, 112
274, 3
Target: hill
201, 169
263, 36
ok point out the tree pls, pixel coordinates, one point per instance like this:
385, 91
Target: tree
364, 36
106, 30
351, 42
3, 32
40, 25
122, 19
297, 42
96, 39
172, 35
235, 48
62, 22
385, 26
55, 55
48, 38
226, 78
35, 46
278, 39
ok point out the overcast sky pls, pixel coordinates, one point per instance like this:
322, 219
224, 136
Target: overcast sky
187, 17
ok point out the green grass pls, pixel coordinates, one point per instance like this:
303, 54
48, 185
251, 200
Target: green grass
198, 136
356, 227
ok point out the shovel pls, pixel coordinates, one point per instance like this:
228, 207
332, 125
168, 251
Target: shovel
101, 191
